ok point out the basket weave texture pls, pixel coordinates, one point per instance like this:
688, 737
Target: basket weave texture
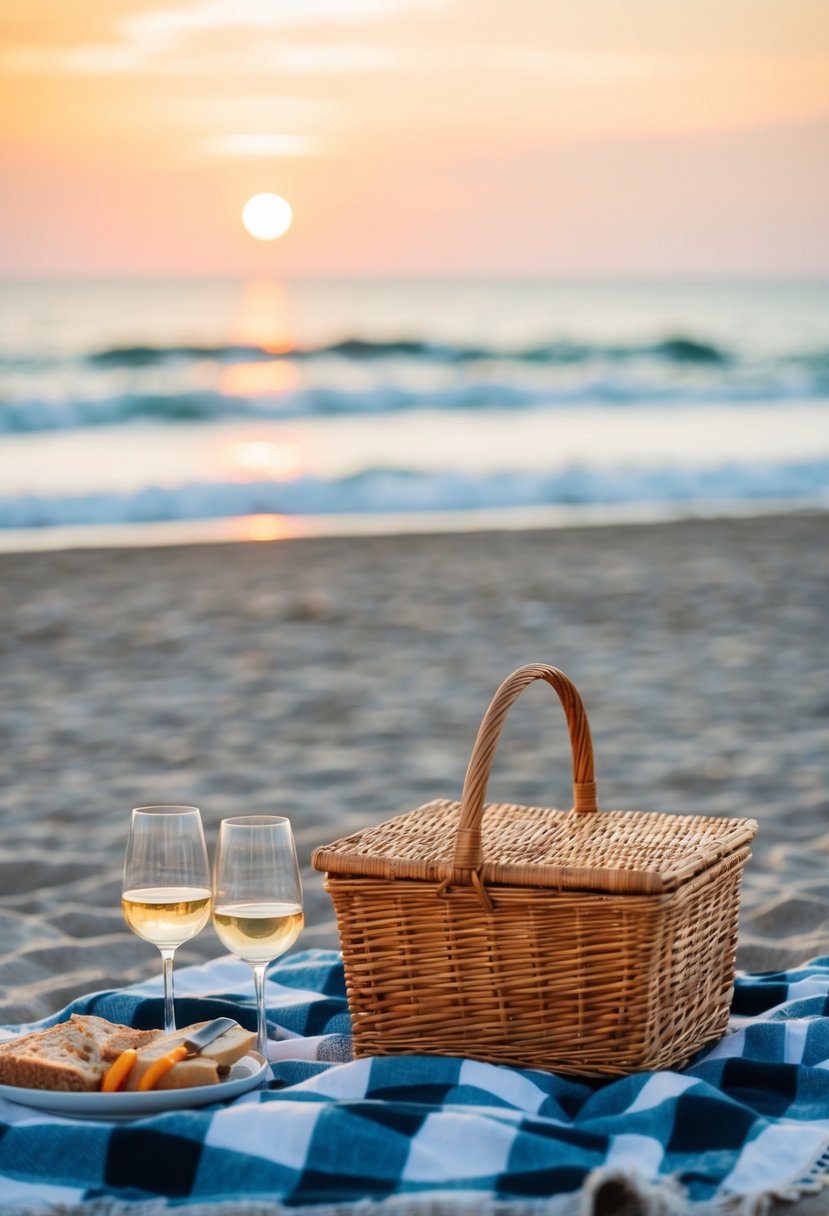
584, 942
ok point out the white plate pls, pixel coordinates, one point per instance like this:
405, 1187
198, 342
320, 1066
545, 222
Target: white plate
245, 1074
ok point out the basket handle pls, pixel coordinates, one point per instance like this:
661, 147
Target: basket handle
468, 840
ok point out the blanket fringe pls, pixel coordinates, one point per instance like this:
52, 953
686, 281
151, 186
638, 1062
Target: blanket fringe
812, 1184
625, 1192
447, 1203
607, 1192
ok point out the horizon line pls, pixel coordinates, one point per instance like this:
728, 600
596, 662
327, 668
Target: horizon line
628, 277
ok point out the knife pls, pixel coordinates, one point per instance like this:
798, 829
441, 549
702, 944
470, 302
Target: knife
206, 1034
115, 1076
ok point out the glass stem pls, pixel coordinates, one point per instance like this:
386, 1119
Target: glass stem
169, 1008
261, 1016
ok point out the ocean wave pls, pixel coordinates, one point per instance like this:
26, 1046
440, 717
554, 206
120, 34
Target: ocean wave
678, 348
400, 490
198, 405
668, 349
150, 356
19, 417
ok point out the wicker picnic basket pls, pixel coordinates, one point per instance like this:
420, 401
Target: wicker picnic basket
584, 942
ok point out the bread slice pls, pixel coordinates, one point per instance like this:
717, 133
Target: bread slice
72, 1056
209, 1066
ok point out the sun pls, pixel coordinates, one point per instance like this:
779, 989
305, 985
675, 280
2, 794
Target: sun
267, 216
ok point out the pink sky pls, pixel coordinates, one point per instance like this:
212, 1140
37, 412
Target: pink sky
416, 136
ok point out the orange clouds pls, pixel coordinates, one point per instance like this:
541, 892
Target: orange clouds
405, 132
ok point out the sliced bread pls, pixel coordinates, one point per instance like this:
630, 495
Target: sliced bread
73, 1055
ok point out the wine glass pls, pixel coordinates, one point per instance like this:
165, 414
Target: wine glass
166, 890
257, 897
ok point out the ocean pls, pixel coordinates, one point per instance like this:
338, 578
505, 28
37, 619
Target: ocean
150, 411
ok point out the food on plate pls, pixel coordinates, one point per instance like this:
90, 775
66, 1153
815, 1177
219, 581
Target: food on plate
72, 1055
211, 1064
89, 1054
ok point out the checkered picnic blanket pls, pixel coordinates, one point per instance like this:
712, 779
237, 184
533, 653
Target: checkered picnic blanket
747, 1120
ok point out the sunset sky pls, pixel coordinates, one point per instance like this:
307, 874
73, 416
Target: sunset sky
622, 137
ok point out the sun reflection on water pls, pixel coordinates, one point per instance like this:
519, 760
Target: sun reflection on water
264, 459
262, 379
265, 527
263, 318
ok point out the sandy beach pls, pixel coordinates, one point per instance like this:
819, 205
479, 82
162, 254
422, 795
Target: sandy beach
340, 681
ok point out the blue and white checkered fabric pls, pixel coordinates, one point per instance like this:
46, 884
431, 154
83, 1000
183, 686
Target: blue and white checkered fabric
749, 1118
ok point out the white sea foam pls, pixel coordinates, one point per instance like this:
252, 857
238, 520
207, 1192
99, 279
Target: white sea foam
135, 401
407, 490
592, 385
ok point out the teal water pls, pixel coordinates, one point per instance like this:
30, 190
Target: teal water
163, 403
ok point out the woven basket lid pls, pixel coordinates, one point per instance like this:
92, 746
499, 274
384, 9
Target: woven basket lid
632, 852
637, 852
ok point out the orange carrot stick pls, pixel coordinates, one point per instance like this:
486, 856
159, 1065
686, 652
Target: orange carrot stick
118, 1071
161, 1066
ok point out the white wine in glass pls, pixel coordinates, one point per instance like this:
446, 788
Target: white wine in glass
165, 895
257, 897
